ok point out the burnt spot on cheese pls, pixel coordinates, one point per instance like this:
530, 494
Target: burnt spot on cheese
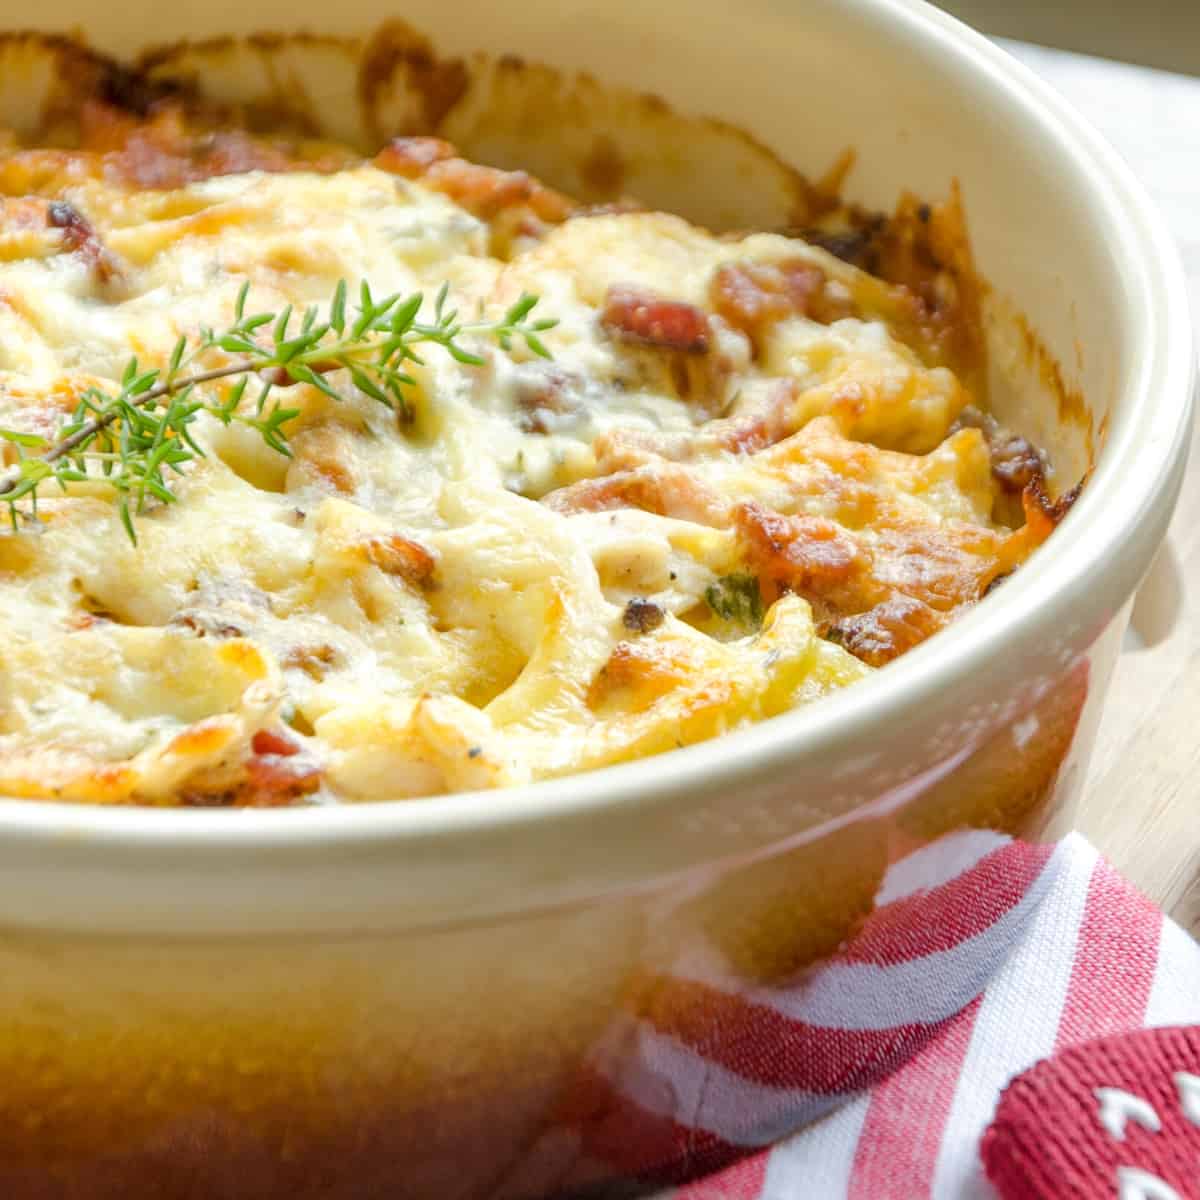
886, 631
642, 616
1016, 462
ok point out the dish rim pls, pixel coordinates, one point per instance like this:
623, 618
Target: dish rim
1099, 535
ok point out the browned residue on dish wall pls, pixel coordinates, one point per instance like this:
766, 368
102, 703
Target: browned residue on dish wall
284, 108
825, 195
397, 47
398, 61
1072, 409
604, 168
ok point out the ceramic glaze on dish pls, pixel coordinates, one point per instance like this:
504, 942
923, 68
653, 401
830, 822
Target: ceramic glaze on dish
403, 999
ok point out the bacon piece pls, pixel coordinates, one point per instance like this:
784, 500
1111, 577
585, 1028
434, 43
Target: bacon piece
275, 781
157, 154
276, 773
411, 157
162, 152
754, 296
641, 316
265, 741
684, 334
484, 191
81, 238
396, 555
154, 158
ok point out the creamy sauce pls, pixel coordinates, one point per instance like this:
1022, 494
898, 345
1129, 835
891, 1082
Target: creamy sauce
265, 600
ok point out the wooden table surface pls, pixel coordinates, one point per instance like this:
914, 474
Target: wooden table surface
1142, 802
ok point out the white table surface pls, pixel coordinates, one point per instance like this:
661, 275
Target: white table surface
1142, 803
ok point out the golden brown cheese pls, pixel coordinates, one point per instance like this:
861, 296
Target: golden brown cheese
744, 479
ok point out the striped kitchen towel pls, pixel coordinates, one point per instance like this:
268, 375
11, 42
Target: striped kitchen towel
895, 1052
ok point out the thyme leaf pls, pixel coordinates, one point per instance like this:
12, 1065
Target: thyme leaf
737, 599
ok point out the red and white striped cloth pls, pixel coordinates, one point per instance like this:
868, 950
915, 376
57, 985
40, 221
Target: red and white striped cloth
982, 956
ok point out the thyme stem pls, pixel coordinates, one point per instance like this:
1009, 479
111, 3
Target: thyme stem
89, 429
131, 438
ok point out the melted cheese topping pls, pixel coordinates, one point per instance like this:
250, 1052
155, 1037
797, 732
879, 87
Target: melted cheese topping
558, 565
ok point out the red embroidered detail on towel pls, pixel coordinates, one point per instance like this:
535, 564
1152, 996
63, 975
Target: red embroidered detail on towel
1118, 1116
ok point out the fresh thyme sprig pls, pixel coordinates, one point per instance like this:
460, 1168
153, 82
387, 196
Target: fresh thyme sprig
133, 439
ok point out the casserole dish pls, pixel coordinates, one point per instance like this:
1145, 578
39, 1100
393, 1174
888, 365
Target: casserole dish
403, 999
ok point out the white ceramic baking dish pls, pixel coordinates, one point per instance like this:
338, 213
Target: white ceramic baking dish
400, 999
